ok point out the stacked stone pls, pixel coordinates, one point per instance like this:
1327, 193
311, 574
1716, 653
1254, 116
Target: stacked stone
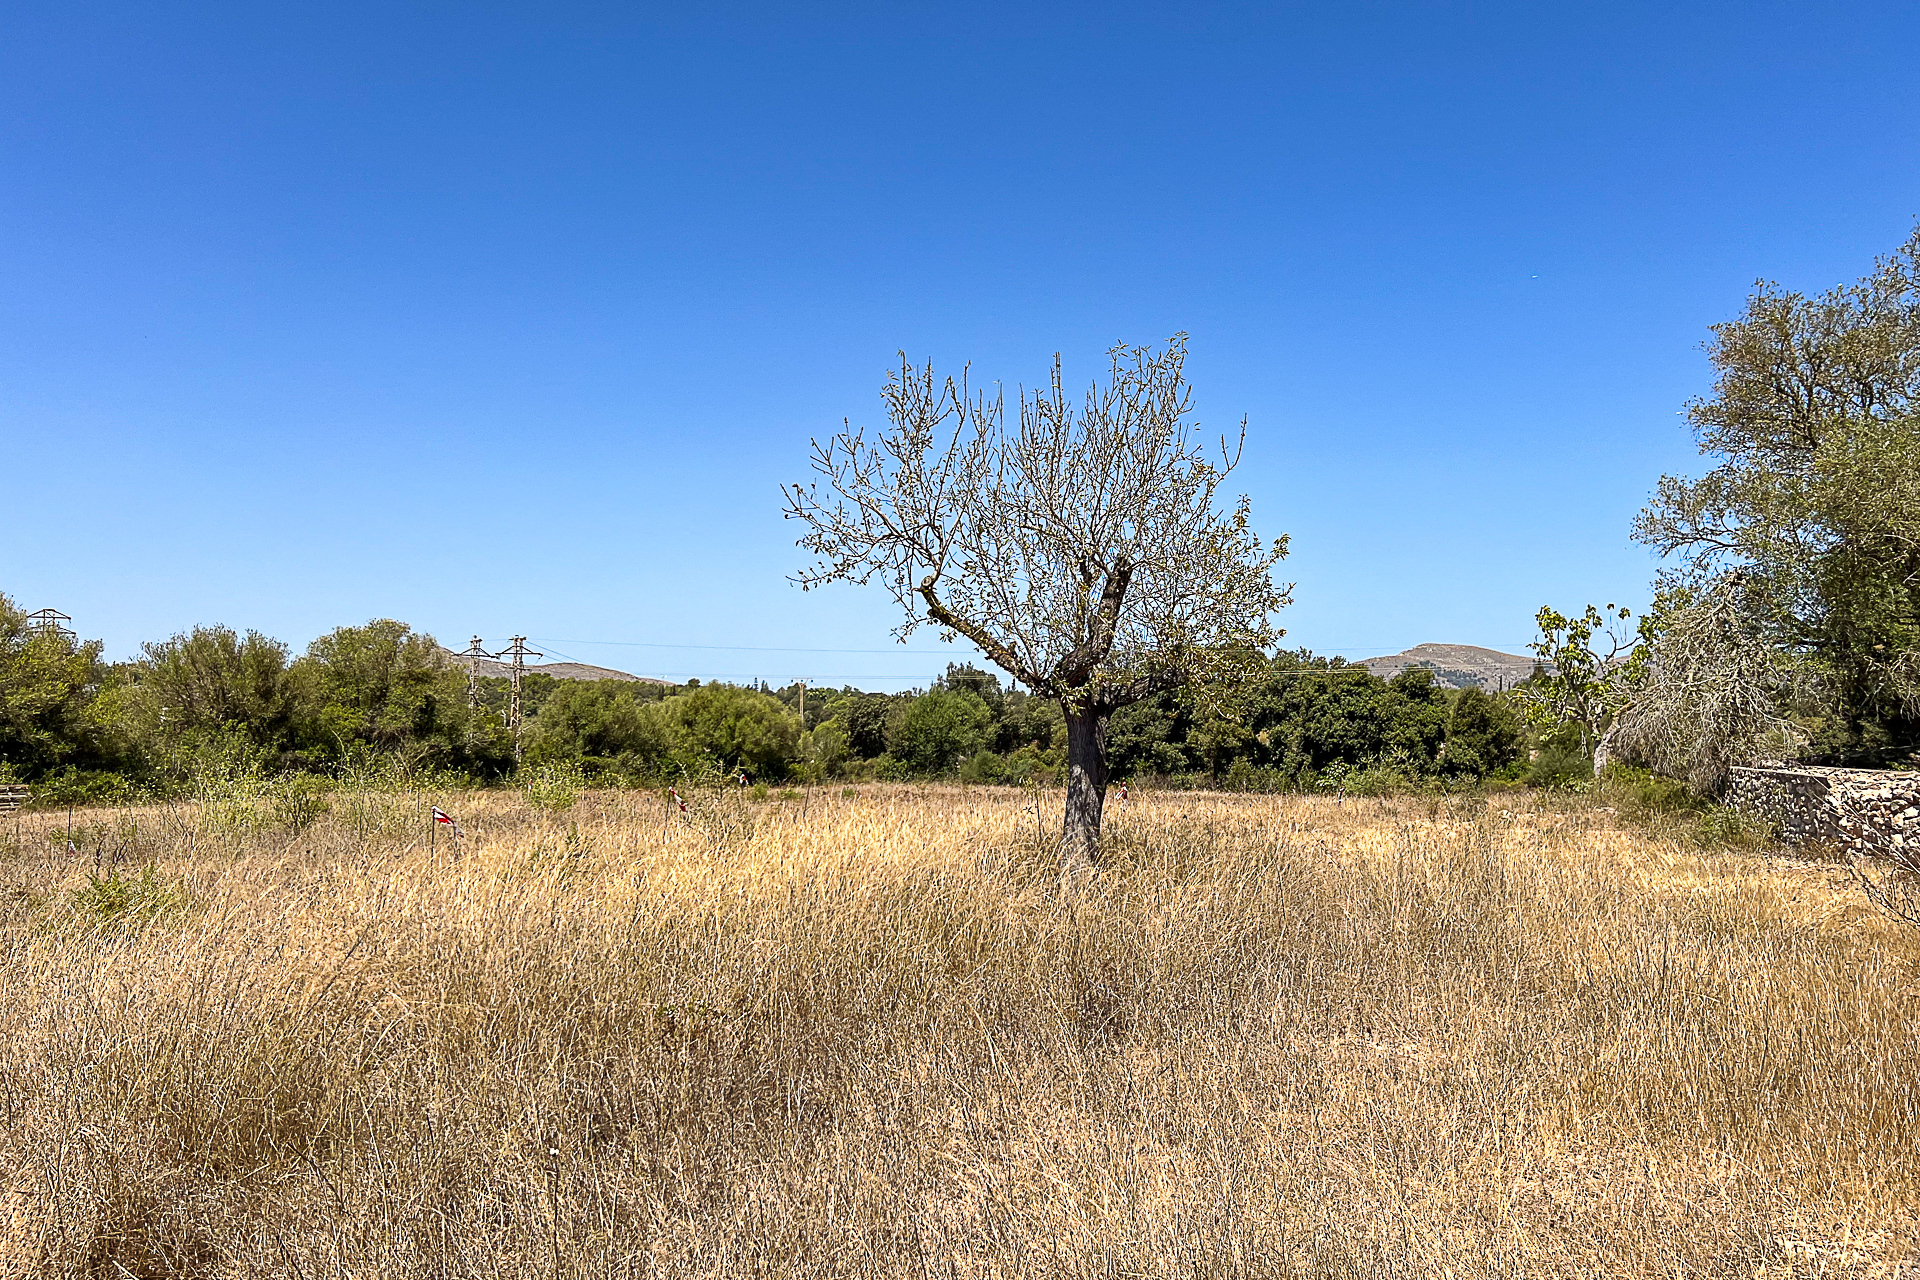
1859, 811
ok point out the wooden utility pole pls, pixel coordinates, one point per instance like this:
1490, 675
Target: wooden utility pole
518, 651
803, 705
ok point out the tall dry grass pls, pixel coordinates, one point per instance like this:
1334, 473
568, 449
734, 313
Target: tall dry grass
1276, 1037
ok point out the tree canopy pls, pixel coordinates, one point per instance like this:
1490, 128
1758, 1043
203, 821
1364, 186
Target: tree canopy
1814, 430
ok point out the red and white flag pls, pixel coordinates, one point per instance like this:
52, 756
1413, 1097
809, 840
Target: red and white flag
445, 819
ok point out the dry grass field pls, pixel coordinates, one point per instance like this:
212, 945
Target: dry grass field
864, 1037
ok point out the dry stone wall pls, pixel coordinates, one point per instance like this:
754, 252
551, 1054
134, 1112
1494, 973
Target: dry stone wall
1860, 811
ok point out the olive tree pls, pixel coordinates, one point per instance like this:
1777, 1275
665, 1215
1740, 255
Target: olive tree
1814, 429
1082, 549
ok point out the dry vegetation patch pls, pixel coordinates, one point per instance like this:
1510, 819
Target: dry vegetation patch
860, 1035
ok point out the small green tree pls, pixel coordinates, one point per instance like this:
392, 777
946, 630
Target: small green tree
1584, 671
733, 727
49, 687
383, 686
938, 728
1483, 734
190, 691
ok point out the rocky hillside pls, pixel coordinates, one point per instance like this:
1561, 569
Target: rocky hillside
1458, 666
558, 670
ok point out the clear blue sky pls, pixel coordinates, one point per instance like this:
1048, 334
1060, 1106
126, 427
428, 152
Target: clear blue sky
512, 319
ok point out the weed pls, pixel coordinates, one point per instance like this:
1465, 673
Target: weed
116, 899
553, 788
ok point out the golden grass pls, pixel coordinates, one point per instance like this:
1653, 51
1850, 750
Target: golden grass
1276, 1037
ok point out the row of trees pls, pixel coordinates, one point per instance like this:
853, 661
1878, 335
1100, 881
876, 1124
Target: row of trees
1788, 621
1299, 722
216, 700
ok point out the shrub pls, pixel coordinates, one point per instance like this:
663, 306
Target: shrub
553, 787
117, 899
1561, 764
300, 800
983, 766
887, 769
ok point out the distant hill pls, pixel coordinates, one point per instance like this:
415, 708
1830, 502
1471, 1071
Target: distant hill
1457, 666
558, 670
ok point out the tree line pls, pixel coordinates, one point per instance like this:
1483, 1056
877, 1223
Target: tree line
213, 701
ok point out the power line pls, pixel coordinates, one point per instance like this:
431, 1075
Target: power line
1386, 650
738, 648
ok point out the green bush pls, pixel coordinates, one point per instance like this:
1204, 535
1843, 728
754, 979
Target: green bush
117, 899
70, 786
1638, 793
983, 767
939, 727
553, 787
885, 768
300, 800
1560, 763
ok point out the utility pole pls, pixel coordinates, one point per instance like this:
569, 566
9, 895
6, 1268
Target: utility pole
803, 705
473, 653
518, 651
51, 622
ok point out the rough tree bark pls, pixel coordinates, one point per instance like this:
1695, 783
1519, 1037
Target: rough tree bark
1086, 789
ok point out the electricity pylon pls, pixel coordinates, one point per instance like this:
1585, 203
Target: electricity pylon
473, 653
518, 651
51, 622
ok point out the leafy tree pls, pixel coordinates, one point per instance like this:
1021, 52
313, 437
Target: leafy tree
1483, 733
1149, 738
1081, 551
385, 687
863, 718
1583, 676
984, 685
596, 721
48, 687
824, 750
202, 684
1814, 429
1306, 714
735, 728
1414, 712
1035, 724
938, 728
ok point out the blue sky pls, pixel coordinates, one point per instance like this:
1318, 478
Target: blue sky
512, 319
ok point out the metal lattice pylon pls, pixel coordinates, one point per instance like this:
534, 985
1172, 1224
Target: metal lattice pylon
473, 653
518, 651
51, 622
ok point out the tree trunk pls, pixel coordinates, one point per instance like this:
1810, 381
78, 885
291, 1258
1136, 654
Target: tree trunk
1603, 752
1086, 792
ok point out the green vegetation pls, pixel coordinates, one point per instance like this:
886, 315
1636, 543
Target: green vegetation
1814, 499
1788, 622
270, 741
